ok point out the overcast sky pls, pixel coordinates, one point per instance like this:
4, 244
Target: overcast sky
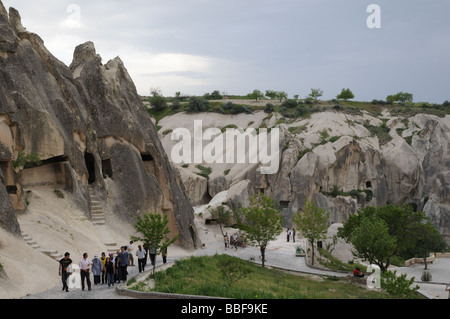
235, 46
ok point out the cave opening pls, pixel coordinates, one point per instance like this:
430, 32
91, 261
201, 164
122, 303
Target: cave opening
90, 166
107, 168
146, 157
284, 204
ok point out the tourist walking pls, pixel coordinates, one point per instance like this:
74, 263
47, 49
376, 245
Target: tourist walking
293, 235
97, 269
116, 265
65, 270
235, 241
103, 260
153, 255
288, 231
141, 255
130, 254
146, 254
84, 264
110, 270
164, 254
123, 263
226, 240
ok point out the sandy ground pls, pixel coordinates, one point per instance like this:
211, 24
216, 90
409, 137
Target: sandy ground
56, 224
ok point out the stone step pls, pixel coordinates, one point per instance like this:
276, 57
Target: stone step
111, 244
113, 250
30, 241
52, 254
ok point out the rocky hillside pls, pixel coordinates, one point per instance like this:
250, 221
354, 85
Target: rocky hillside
343, 161
87, 127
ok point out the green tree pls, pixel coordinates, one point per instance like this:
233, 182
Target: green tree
282, 95
372, 241
428, 240
312, 223
198, 104
400, 97
221, 215
271, 94
346, 94
157, 101
261, 222
153, 232
401, 223
315, 94
279, 95
256, 94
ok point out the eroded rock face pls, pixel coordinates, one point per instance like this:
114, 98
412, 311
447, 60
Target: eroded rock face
89, 116
413, 167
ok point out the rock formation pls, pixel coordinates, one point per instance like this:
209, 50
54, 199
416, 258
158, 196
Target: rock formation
334, 159
88, 126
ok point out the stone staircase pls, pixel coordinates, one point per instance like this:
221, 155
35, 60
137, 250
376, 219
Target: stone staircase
98, 216
98, 219
51, 253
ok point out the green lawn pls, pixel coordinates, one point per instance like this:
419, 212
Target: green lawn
203, 276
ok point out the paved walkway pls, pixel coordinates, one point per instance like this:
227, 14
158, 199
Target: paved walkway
279, 254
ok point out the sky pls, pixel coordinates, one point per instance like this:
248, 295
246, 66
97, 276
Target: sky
236, 46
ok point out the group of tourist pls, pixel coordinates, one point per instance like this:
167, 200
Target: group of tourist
108, 269
289, 233
233, 241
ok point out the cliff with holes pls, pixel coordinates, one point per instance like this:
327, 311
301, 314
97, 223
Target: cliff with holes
342, 161
87, 125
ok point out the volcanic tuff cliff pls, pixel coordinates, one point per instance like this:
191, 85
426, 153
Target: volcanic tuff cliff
88, 126
336, 159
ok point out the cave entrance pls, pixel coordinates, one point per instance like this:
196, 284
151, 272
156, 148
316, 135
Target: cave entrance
107, 168
90, 166
146, 157
284, 204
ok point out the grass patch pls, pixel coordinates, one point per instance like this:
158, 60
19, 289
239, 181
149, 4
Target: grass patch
327, 260
382, 132
202, 276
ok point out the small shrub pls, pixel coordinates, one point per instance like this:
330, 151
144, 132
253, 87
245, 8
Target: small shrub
58, 193
269, 108
398, 287
167, 132
27, 161
204, 171
426, 276
158, 102
198, 104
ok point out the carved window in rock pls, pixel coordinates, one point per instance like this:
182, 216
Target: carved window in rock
107, 168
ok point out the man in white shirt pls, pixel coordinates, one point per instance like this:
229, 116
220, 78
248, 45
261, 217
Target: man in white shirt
141, 255
84, 264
